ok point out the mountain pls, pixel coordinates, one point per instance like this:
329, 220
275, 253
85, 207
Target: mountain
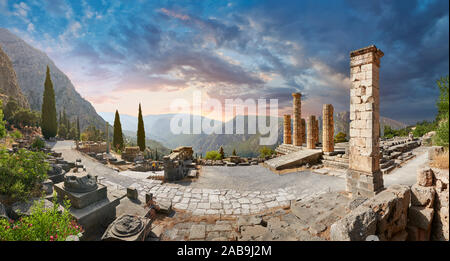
157, 127
8, 82
30, 66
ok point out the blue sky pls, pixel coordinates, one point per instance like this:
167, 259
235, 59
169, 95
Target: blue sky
119, 53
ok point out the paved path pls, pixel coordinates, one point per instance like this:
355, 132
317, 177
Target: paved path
232, 190
242, 190
407, 174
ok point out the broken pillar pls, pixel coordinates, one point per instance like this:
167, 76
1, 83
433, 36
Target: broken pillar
327, 128
310, 139
297, 119
287, 129
364, 177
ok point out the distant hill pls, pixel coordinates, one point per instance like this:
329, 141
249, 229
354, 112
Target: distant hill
9, 87
158, 128
30, 67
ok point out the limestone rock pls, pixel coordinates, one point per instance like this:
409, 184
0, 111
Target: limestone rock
355, 203
422, 196
9, 87
3, 213
356, 226
421, 217
425, 177
249, 221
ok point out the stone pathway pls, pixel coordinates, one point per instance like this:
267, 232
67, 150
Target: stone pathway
203, 201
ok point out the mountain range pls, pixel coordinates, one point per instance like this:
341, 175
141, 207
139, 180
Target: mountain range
30, 66
9, 86
157, 127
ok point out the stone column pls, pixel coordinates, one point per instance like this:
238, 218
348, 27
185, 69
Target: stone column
316, 131
303, 131
364, 176
310, 139
287, 129
327, 128
297, 119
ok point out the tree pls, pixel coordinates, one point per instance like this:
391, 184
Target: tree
78, 129
62, 131
442, 119
140, 131
265, 152
2, 122
340, 137
48, 117
222, 154
234, 152
213, 155
10, 109
156, 154
118, 135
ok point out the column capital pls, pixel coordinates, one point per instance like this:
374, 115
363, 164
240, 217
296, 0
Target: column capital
296, 95
368, 49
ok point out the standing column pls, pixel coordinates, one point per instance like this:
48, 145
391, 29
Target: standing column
364, 176
316, 131
287, 129
297, 119
310, 139
303, 131
327, 128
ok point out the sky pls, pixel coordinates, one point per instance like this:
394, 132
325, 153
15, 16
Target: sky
120, 53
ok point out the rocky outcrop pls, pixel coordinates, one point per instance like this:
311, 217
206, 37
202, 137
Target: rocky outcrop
30, 66
8, 82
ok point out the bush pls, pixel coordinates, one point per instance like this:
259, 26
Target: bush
213, 155
42, 225
38, 143
340, 137
265, 152
2, 123
16, 134
441, 137
21, 174
423, 128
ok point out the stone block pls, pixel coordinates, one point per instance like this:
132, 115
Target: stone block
356, 226
422, 196
421, 217
425, 177
81, 200
132, 193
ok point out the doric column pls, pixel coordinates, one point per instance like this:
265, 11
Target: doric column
303, 131
364, 176
310, 139
316, 131
107, 138
297, 119
287, 129
327, 128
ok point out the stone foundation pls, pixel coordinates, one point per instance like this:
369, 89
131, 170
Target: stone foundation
363, 184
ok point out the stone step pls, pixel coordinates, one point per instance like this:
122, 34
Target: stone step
294, 159
335, 164
387, 164
388, 169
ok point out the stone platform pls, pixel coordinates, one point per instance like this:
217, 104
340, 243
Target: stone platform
294, 159
81, 200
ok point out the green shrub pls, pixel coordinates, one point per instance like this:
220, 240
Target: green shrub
21, 174
16, 134
441, 137
2, 123
265, 152
42, 225
423, 128
340, 137
213, 155
38, 143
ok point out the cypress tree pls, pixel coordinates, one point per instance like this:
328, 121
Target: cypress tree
48, 117
222, 154
78, 129
117, 136
141, 131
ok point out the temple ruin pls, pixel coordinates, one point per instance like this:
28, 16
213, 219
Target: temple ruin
287, 139
310, 138
297, 119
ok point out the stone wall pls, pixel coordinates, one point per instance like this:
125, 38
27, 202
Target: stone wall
400, 213
384, 215
428, 214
